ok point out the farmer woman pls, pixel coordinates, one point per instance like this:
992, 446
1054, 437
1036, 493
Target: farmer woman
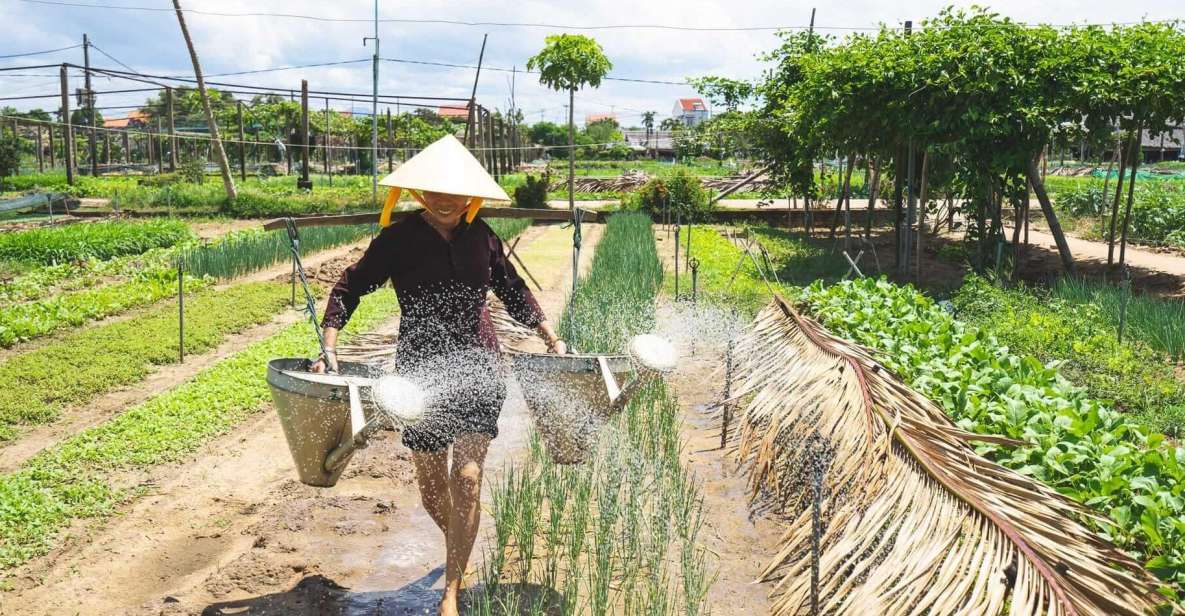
442, 261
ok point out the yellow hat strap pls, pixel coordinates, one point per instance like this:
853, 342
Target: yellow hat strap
393, 198
389, 206
474, 205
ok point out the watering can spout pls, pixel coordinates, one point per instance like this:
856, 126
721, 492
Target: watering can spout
652, 357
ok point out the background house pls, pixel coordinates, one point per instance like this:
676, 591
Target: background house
690, 111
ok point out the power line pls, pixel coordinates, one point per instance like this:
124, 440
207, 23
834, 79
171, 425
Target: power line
508, 70
116, 60
38, 53
504, 24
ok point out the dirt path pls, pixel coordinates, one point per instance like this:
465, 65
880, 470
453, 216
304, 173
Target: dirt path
1142, 262
742, 543
232, 531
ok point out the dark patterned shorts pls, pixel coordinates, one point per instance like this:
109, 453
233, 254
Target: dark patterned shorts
468, 402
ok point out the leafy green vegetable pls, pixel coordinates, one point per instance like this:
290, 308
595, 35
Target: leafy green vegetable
85, 364
100, 240
75, 479
1078, 445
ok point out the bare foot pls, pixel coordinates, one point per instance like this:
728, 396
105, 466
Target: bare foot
448, 606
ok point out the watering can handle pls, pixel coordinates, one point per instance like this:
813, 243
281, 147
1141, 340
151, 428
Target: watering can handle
356, 434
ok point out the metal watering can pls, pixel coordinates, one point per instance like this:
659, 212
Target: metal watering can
571, 396
327, 417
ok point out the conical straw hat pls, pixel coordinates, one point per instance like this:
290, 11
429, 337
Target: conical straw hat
446, 167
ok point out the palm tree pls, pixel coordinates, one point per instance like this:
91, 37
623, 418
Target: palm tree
220, 154
648, 122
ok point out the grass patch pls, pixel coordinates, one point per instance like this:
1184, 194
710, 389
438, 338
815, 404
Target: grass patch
794, 260
1159, 323
1079, 335
82, 365
74, 479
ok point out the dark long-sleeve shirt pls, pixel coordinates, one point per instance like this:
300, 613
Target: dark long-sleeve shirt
441, 286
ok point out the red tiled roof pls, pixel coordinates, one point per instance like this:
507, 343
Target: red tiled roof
138, 116
597, 117
692, 104
453, 111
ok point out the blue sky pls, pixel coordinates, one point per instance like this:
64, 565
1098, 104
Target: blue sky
150, 41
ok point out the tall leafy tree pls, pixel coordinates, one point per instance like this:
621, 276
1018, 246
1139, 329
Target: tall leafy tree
569, 62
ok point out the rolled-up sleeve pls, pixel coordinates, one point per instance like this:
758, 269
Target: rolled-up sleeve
372, 271
511, 288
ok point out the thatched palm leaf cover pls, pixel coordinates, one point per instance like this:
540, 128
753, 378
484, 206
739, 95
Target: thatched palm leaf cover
914, 520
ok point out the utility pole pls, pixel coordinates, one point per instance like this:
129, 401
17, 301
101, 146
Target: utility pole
304, 183
228, 181
469, 124
89, 101
67, 129
374, 110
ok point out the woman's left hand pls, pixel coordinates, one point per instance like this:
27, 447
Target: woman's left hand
559, 347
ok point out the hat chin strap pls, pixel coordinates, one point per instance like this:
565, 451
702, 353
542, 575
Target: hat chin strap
393, 198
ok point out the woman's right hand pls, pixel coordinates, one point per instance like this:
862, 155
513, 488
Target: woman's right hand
325, 363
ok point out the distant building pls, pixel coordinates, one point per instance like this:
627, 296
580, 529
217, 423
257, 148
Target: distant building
599, 117
690, 111
137, 118
454, 112
1163, 146
659, 141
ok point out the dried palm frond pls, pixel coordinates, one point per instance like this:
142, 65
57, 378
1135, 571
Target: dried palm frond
913, 520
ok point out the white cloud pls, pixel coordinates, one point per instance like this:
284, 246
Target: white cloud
151, 42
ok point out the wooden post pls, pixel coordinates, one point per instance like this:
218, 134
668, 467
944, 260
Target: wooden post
390, 143
107, 147
1123, 159
172, 131
127, 150
160, 149
304, 182
1137, 150
67, 130
181, 311
242, 142
874, 169
52, 155
40, 152
491, 163
922, 208
328, 139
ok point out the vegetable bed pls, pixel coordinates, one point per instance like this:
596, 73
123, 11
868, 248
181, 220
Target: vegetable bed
1080, 446
618, 533
83, 365
74, 480
99, 240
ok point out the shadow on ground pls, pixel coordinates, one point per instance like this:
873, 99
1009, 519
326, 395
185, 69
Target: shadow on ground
317, 595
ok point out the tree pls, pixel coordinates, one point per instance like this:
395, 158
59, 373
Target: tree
228, 181
10, 153
547, 133
648, 122
603, 131
569, 62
